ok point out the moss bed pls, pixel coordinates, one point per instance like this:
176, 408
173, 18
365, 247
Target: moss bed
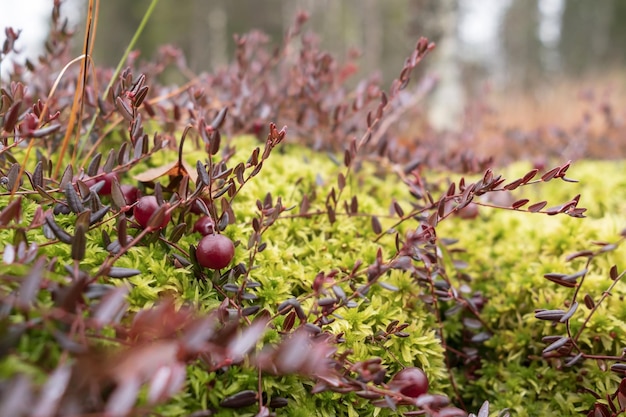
505, 257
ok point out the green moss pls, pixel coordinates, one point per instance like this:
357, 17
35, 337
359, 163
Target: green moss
507, 255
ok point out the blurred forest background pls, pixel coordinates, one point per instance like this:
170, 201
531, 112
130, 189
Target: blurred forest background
537, 61
534, 40
525, 47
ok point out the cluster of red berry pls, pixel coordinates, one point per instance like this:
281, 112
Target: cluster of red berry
215, 251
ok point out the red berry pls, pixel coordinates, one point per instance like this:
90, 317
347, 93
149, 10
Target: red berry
108, 180
145, 208
205, 226
413, 382
106, 186
215, 251
130, 192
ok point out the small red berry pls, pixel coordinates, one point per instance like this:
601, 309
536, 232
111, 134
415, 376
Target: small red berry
145, 208
204, 225
413, 382
215, 251
106, 186
130, 192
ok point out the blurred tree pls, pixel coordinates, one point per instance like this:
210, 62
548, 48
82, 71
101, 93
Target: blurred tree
592, 35
522, 47
209, 40
438, 20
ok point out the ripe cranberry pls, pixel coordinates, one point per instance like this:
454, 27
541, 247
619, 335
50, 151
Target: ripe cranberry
145, 208
413, 382
205, 226
108, 180
215, 251
130, 192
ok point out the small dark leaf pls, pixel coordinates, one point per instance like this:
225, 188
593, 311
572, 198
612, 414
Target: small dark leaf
84, 190
98, 215
124, 109
67, 176
341, 181
223, 191
44, 194
94, 165
30, 284
324, 302
608, 248
376, 226
354, 205
219, 119
513, 185
37, 176
203, 175
250, 310
537, 206
123, 156
13, 176
278, 402
256, 169
139, 147
551, 315
304, 205
388, 286
575, 276
613, 273
520, 203
117, 196
557, 344
60, 234
239, 169
223, 221
621, 394
11, 116
11, 212
529, 176
109, 164
398, 209
73, 200
79, 241
574, 360
215, 139
178, 232
481, 337
550, 174
561, 281
570, 312
332, 216
619, 368
120, 272
583, 253
589, 303
239, 400
156, 220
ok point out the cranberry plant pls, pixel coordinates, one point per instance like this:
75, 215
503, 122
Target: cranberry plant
156, 258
